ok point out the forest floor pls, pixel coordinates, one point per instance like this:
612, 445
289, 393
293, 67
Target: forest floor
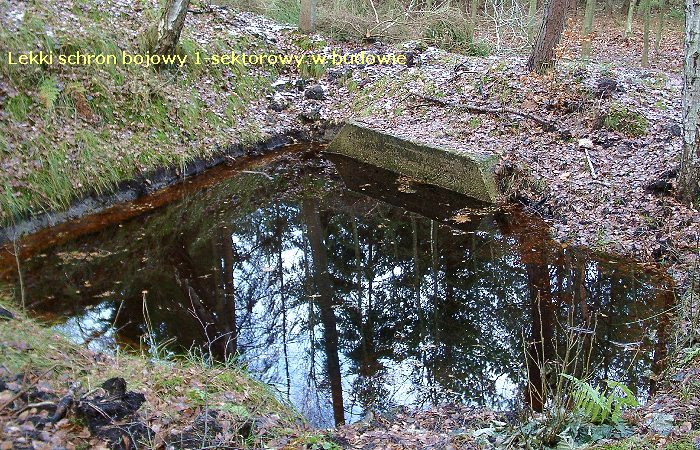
604, 178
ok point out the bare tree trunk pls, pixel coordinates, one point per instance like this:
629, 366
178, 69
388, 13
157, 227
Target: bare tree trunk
625, 7
307, 18
660, 28
473, 10
647, 24
663, 332
689, 176
283, 303
609, 7
587, 29
541, 346
630, 15
170, 26
531, 12
553, 22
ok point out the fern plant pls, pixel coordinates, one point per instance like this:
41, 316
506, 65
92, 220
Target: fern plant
48, 92
601, 405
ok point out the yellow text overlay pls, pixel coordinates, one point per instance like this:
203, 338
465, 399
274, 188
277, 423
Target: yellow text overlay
232, 58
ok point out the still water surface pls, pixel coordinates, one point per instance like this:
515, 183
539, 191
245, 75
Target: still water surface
353, 293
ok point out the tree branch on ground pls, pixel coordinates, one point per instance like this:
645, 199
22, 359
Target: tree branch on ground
546, 125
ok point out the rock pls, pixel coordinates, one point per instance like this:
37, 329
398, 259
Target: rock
279, 103
311, 114
663, 185
282, 85
287, 84
315, 92
412, 58
340, 72
660, 423
674, 129
100, 411
300, 84
605, 87
659, 187
5, 314
585, 143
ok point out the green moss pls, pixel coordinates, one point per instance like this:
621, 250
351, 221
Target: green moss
197, 397
19, 106
365, 103
170, 383
628, 445
624, 120
684, 444
642, 443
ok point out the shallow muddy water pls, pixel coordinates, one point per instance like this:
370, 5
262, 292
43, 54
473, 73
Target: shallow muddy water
353, 293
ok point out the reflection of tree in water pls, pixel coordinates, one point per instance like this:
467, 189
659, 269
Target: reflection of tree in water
346, 303
325, 301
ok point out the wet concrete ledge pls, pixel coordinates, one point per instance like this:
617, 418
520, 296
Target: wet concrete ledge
467, 172
150, 182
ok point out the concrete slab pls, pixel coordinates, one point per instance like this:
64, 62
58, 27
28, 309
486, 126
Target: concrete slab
469, 173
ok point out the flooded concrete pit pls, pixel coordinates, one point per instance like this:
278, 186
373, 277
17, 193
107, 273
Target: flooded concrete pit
347, 287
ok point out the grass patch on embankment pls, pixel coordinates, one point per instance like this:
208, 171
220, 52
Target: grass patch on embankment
68, 131
178, 390
443, 25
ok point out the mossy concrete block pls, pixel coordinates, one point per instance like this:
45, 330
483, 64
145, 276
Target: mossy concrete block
469, 173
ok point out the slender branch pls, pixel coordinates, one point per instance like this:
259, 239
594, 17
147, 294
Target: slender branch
546, 124
376, 15
590, 163
26, 388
